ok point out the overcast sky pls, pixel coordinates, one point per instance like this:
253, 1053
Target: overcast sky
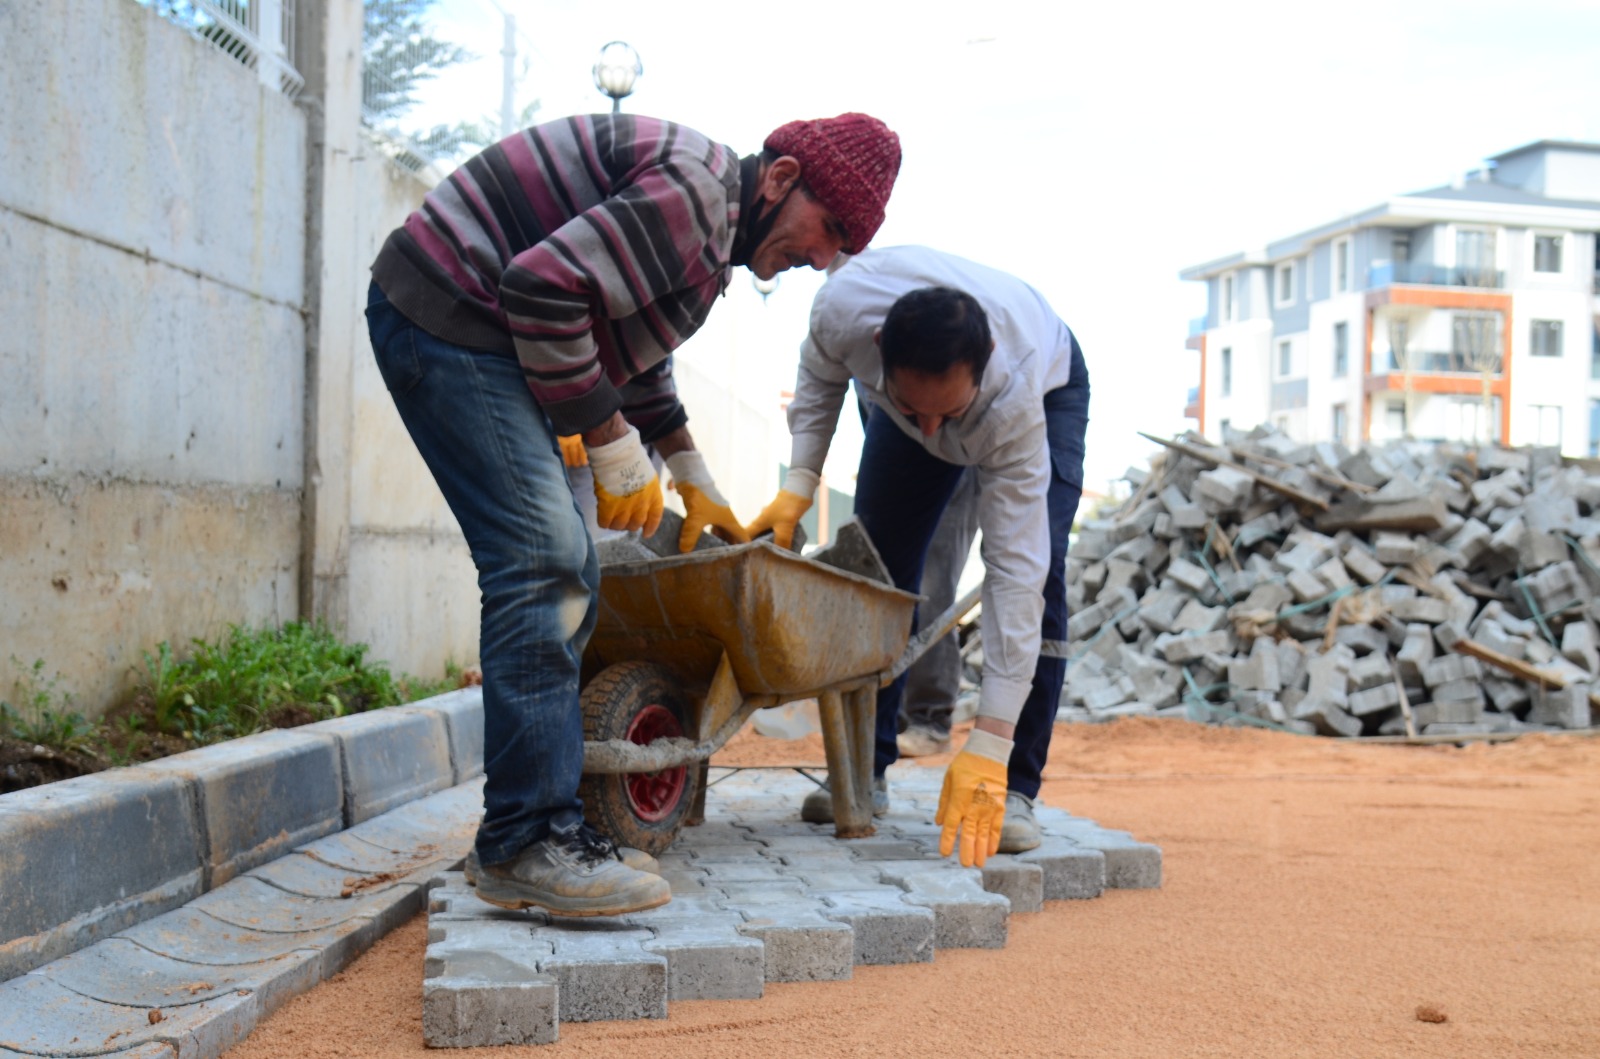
1096, 152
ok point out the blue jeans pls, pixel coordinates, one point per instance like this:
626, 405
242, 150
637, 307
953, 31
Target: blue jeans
494, 454
901, 492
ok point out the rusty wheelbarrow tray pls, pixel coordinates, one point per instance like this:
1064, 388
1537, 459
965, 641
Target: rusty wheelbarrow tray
743, 628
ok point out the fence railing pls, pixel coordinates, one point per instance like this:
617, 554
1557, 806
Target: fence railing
256, 33
1444, 362
1390, 272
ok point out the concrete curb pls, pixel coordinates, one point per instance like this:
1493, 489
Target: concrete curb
92, 856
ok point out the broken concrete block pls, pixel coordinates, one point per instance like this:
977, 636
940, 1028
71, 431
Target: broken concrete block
1578, 645
1223, 489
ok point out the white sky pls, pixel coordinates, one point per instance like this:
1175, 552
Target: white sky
1095, 150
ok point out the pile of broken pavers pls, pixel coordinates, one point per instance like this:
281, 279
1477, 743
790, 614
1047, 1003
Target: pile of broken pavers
1413, 589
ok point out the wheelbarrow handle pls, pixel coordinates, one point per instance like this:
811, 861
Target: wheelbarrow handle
930, 634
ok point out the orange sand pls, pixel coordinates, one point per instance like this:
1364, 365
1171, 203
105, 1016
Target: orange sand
1321, 899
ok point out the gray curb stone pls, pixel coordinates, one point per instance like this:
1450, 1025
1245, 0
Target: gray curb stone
463, 716
260, 796
87, 857
389, 757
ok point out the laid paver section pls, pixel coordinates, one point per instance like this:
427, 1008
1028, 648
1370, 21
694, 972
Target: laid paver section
758, 896
193, 981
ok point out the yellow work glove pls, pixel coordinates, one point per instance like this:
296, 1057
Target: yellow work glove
572, 453
627, 489
703, 503
784, 513
973, 798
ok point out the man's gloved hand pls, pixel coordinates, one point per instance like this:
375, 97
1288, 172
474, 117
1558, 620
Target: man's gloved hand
784, 513
973, 799
572, 451
703, 504
626, 488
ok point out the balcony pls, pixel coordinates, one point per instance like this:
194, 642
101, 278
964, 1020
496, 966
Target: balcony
1435, 362
1197, 326
1191, 408
1416, 272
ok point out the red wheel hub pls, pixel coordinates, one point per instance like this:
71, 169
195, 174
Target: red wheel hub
653, 795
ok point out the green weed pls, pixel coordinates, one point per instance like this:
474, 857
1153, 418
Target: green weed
37, 717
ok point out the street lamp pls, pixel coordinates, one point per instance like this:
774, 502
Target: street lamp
619, 67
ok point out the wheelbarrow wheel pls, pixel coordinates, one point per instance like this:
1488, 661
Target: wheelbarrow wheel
639, 702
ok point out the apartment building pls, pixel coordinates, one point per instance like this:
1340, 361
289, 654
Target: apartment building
1468, 312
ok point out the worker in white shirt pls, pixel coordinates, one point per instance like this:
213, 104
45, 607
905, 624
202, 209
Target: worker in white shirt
968, 370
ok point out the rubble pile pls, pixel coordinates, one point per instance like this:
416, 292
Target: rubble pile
1411, 589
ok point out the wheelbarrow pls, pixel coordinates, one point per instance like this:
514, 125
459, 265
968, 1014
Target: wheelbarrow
686, 648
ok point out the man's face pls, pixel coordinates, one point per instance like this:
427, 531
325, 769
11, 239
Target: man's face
805, 233
931, 400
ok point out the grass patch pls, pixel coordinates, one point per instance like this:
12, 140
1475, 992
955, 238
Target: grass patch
248, 680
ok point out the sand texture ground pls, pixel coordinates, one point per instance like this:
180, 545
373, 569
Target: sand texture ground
1321, 899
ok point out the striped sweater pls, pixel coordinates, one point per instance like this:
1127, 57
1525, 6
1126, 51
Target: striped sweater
590, 247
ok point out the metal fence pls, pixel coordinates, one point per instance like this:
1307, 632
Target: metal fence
257, 33
442, 79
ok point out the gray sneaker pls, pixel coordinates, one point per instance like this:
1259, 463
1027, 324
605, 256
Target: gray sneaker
921, 741
637, 859
818, 806
569, 873
1020, 832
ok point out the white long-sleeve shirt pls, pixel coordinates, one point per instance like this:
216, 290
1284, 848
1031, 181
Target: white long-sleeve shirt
1002, 435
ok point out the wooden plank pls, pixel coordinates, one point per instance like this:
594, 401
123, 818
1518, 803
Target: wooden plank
1260, 479
1516, 667
1405, 700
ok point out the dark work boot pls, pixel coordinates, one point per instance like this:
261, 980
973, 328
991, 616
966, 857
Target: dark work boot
575, 872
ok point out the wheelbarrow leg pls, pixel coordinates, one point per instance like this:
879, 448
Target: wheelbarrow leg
697, 811
861, 709
852, 802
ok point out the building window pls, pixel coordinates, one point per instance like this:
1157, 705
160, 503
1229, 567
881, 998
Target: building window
1286, 284
1340, 423
1285, 357
1395, 417
1475, 257
1475, 342
1227, 298
1400, 247
1341, 349
1283, 424
1399, 342
1227, 371
1546, 424
1594, 352
1594, 429
1223, 427
1546, 339
1341, 265
1547, 253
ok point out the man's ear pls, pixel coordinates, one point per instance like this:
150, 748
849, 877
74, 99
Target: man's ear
877, 337
780, 178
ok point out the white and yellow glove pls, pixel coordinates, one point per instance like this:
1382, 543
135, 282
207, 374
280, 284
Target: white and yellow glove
784, 513
627, 489
572, 451
973, 798
703, 503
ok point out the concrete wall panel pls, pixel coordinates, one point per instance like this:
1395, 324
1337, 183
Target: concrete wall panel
121, 126
94, 570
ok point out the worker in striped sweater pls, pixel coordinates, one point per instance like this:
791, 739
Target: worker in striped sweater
537, 295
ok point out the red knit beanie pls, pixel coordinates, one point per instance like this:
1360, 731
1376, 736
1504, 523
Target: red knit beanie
849, 163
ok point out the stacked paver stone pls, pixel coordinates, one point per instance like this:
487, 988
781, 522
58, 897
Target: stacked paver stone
1347, 596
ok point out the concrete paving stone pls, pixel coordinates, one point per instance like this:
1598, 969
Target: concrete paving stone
527, 941
880, 849
688, 880
487, 1004
1130, 865
463, 717
86, 857
860, 878
708, 959
604, 973
390, 758
815, 859
753, 868
802, 946
682, 904
965, 915
887, 929
706, 856
772, 893
39, 1017
261, 796
1071, 872
353, 855
1017, 881
252, 904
